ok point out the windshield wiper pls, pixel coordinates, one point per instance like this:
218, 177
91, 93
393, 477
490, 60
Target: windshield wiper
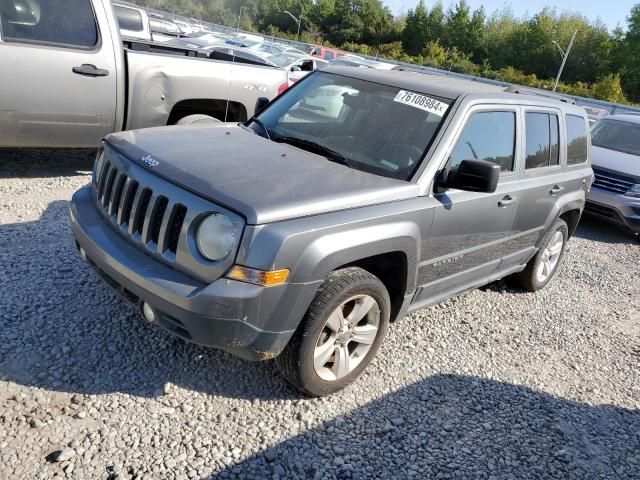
259, 122
315, 147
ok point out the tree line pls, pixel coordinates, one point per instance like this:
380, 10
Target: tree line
603, 64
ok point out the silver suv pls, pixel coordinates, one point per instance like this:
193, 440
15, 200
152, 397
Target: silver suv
615, 194
356, 197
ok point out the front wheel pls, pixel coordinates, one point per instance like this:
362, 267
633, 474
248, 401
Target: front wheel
339, 335
544, 265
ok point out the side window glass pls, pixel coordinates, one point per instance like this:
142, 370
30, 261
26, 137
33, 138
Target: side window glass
487, 136
328, 55
71, 22
542, 140
554, 152
576, 140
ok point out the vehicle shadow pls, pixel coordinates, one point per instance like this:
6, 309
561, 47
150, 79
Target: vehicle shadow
40, 163
459, 427
63, 329
598, 230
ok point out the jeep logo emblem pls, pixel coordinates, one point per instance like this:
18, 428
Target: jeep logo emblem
149, 160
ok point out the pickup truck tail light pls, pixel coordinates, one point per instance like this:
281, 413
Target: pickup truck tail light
282, 88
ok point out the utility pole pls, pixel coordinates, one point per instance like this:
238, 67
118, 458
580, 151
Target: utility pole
297, 20
564, 58
240, 16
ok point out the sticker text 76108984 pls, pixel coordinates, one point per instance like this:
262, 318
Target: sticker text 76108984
422, 102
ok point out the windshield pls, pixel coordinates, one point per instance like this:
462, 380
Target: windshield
368, 126
617, 135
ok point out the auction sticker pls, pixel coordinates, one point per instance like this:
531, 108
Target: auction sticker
422, 102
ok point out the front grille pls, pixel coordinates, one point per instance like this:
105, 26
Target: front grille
137, 211
157, 216
612, 182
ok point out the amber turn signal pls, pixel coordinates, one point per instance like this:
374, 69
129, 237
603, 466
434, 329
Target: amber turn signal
258, 277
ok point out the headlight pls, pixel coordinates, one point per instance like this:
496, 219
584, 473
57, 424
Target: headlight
216, 237
634, 191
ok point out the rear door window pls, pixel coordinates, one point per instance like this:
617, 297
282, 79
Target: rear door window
129, 19
487, 136
542, 140
68, 23
577, 140
328, 55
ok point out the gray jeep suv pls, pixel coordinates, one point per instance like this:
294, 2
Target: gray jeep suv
354, 198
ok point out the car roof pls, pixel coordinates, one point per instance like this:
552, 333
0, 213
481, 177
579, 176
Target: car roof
451, 88
629, 118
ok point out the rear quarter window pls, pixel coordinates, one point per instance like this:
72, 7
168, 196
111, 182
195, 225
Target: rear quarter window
577, 140
66, 23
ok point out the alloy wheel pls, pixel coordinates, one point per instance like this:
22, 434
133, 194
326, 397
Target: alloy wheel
346, 337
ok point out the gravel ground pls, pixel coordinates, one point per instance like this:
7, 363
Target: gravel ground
495, 384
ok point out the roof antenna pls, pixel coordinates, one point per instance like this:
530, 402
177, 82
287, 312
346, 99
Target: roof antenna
226, 108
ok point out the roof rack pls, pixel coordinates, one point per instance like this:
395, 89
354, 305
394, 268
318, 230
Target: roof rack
540, 93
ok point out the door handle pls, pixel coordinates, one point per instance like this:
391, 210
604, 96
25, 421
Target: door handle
556, 189
506, 201
90, 70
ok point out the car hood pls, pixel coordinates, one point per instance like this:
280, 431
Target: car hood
263, 180
615, 161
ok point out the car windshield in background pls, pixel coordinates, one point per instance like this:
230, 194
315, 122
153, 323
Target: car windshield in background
282, 60
617, 135
367, 126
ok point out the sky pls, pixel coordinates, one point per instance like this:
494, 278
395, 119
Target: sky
611, 12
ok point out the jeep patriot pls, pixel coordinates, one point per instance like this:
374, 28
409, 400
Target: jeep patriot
352, 199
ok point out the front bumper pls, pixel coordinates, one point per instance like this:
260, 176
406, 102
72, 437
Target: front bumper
614, 207
246, 320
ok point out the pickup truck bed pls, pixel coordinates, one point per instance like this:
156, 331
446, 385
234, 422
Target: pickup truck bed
69, 87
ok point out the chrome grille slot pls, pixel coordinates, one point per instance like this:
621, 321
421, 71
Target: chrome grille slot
175, 227
156, 216
127, 203
612, 182
106, 195
116, 194
141, 211
102, 177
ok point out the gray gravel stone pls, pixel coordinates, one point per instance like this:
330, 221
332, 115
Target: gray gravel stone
495, 383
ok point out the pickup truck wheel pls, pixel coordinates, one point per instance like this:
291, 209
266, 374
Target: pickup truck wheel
199, 118
544, 265
339, 335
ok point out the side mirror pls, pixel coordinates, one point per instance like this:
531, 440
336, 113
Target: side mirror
474, 176
261, 103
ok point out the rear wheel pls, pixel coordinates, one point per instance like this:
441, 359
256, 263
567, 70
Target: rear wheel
339, 335
544, 265
197, 118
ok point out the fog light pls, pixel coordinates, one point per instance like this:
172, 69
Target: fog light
148, 312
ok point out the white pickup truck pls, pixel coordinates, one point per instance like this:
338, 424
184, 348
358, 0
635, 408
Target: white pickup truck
67, 79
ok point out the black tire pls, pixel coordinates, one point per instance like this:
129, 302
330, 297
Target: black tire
527, 279
197, 118
296, 360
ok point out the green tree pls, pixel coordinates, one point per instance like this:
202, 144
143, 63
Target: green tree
631, 55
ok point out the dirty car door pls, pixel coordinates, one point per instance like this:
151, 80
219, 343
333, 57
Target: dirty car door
58, 74
471, 230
